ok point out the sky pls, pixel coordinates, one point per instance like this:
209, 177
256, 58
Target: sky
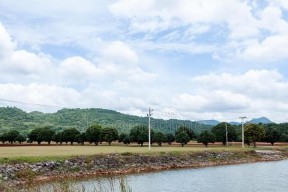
195, 60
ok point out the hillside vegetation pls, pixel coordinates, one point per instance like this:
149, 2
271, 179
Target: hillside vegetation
17, 119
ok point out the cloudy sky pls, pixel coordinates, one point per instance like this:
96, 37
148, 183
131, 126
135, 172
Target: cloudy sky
199, 59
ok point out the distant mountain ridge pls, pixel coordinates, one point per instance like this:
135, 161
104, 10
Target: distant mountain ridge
81, 119
213, 122
263, 120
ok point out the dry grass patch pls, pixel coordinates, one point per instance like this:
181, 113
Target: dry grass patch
67, 150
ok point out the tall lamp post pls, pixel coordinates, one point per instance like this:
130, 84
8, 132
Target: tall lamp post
242, 118
149, 126
226, 134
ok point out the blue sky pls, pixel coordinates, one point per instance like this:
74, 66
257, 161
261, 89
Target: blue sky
194, 60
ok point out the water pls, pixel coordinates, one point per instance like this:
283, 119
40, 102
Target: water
255, 177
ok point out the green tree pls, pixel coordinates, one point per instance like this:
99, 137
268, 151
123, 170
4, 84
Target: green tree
70, 135
182, 138
220, 132
126, 140
45, 134
93, 134
187, 130
206, 137
273, 135
3, 137
170, 138
253, 133
58, 138
159, 138
109, 134
139, 134
122, 137
20, 138
142, 138
81, 138
12, 135
34, 136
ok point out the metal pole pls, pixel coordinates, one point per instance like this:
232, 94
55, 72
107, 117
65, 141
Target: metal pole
149, 127
242, 118
226, 134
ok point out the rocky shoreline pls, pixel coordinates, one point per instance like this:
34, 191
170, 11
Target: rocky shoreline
18, 174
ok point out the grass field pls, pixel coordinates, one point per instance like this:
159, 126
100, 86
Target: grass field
68, 150
45, 152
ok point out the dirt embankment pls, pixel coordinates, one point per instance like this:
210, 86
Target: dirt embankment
125, 163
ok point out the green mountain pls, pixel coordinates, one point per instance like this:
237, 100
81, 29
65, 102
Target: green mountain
14, 118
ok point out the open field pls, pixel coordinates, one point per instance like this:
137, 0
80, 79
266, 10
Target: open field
42, 152
68, 150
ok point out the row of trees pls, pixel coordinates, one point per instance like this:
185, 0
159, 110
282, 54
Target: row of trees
253, 133
93, 134
12, 136
139, 134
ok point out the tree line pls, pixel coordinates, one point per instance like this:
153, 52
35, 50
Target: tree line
139, 134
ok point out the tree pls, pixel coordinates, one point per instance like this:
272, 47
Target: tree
122, 137
20, 138
33, 136
12, 135
70, 135
253, 133
206, 137
139, 134
142, 138
273, 135
220, 132
109, 134
3, 137
45, 134
93, 134
182, 138
187, 130
126, 140
58, 138
170, 138
159, 138
81, 138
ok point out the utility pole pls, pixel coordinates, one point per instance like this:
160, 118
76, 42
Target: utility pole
149, 126
226, 134
242, 118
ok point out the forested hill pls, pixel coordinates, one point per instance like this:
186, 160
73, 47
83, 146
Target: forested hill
14, 118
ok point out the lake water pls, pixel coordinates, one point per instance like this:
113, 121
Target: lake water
254, 177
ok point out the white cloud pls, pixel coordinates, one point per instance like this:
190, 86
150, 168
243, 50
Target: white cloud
78, 69
152, 15
25, 62
6, 43
18, 60
255, 93
110, 81
271, 49
36, 93
120, 53
255, 33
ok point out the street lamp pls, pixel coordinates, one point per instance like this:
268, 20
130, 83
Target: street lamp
226, 134
149, 126
242, 118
